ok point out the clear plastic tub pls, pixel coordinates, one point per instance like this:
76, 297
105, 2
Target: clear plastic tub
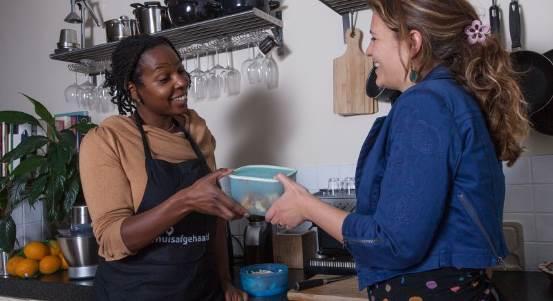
255, 188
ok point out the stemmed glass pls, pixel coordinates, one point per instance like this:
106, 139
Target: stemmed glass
86, 94
198, 82
232, 77
255, 69
71, 92
246, 64
270, 71
215, 81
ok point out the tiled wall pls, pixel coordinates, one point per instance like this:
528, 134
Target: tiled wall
529, 201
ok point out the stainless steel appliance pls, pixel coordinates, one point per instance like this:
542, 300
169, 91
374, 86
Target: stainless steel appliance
332, 258
79, 245
151, 17
117, 29
258, 246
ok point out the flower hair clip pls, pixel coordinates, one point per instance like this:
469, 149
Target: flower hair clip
477, 32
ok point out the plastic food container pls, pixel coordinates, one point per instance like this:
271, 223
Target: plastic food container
261, 280
255, 188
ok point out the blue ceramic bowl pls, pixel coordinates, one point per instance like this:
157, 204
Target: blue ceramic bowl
267, 279
254, 186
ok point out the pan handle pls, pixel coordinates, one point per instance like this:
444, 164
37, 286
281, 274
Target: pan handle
494, 17
514, 24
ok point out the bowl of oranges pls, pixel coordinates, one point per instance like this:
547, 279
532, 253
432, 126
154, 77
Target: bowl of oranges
37, 258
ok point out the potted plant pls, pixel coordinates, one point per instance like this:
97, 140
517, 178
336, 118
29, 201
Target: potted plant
48, 170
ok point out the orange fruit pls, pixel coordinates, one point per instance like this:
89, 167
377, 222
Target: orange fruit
49, 264
36, 250
54, 247
12, 263
64, 264
26, 268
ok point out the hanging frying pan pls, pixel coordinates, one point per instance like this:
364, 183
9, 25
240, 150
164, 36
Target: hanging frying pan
536, 75
374, 91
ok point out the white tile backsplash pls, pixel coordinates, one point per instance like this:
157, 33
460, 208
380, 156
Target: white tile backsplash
519, 198
544, 252
307, 176
326, 172
531, 262
528, 222
543, 198
520, 173
544, 228
542, 169
347, 170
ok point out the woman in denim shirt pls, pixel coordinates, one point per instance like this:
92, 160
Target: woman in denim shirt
429, 179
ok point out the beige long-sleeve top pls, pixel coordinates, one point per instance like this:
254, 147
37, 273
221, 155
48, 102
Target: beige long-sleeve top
113, 171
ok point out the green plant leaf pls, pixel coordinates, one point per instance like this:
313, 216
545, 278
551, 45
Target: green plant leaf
16, 117
55, 196
71, 192
7, 233
4, 203
37, 188
56, 158
17, 193
68, 143
41, 111
28, 166
83, 127
28, 146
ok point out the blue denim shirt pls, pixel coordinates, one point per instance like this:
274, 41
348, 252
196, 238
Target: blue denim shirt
430, 188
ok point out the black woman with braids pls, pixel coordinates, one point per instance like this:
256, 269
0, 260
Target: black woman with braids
150, 184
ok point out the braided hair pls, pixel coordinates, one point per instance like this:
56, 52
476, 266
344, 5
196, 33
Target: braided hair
124, 61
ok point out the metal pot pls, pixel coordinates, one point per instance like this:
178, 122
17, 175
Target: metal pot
151, 17
117, 29
235, 6
183, 12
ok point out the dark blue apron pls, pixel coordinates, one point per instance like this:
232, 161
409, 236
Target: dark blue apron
178, 265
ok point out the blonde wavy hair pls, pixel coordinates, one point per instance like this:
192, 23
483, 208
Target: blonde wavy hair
484, 70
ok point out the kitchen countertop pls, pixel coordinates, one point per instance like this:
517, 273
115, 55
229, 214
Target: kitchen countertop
515, 286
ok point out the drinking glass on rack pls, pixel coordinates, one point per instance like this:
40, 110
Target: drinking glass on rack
215, 81
70, 93
270, 71
198, 82
246, 64
232, 77
255, 70
86, 94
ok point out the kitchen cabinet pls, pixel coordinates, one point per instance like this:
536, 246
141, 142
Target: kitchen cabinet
231, 32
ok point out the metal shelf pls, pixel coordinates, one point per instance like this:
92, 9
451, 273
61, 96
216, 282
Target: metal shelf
224, 27
343, 7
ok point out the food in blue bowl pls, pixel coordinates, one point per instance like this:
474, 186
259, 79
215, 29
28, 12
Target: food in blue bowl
255, 188
262, 280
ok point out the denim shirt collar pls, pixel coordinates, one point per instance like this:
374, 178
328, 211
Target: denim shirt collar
439, 72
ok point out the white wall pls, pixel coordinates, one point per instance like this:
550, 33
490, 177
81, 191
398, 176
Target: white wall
292, 126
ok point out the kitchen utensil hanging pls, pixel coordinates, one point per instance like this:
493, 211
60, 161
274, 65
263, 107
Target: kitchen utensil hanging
350, 72
536, 76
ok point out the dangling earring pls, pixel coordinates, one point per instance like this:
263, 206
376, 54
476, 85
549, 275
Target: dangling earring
413, 75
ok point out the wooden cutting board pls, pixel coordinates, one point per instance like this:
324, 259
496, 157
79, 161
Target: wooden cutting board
351, 71
345, 290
